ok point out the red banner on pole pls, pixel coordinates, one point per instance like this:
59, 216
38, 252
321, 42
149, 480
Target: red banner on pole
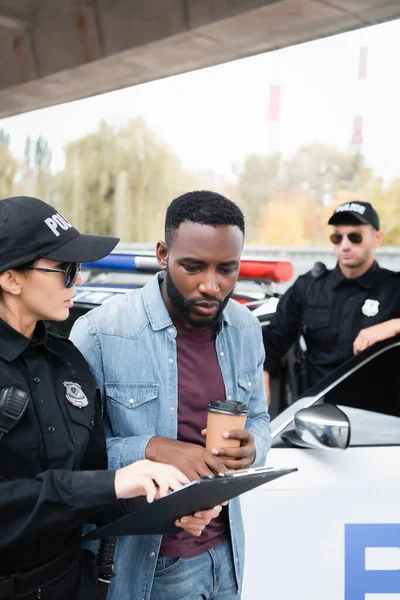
362, 67
357, 138
274, 103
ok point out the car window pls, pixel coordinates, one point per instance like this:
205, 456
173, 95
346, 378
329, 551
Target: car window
366, 388
374, 386
371, 399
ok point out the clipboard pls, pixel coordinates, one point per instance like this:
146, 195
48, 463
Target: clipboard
159, 516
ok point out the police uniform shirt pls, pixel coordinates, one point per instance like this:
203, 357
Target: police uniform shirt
330, 311
43, 498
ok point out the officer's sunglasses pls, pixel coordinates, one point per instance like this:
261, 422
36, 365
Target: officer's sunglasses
71, 272
355, 237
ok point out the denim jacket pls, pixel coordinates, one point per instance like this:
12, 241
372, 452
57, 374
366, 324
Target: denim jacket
130, 345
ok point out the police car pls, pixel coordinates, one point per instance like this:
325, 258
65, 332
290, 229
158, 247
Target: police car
331, 530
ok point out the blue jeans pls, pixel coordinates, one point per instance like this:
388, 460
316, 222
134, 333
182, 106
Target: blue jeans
209, 576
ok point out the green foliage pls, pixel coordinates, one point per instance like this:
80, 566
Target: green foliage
322, 170
37, 153
4, 138
8, 167
121, 181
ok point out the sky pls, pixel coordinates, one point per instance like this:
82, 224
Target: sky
213, 118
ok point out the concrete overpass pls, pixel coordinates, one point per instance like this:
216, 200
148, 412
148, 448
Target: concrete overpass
53, 51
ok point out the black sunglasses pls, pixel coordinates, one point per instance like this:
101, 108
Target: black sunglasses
355, 237
71, 272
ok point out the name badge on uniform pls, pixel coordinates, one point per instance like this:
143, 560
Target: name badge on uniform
75, 394
370, 308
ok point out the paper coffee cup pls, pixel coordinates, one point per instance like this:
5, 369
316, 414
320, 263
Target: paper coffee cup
224, 415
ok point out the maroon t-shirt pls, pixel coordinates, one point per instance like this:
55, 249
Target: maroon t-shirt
199, 382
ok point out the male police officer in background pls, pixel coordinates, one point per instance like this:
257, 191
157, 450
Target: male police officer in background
342, 311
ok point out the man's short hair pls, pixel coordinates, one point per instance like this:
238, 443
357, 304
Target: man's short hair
203, 207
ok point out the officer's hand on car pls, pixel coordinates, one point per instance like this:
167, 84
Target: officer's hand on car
376, 333
191, 459
241, 457
147, 478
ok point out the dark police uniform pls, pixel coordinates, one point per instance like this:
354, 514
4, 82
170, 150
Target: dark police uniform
330, 310
49, 479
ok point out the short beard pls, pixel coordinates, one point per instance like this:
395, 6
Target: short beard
182, 306
355, 264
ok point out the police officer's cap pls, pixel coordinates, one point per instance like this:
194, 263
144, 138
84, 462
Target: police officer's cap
31, 229
354, 213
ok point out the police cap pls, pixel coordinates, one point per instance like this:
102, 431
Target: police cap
31, 229
355, 212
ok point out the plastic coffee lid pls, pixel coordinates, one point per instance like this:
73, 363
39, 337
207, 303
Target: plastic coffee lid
228, 407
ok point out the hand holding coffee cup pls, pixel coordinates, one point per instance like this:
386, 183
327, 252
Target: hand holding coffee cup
226, 436
224, 415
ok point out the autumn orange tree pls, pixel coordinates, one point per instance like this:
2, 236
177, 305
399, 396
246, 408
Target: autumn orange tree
289, 201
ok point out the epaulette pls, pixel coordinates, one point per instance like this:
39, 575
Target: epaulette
319, 269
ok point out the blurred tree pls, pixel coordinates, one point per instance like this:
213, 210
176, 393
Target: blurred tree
37, 178
311, 179
386, 200
322, 170
8, 167
37, 153
121, 181
4, 138
258, 181
43, 175
297, 220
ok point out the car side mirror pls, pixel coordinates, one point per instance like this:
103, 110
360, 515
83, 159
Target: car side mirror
323, 426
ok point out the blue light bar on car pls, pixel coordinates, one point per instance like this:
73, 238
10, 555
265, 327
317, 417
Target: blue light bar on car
124, 262
251, 269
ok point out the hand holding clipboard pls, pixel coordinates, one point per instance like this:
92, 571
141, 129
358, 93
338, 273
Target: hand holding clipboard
159, 517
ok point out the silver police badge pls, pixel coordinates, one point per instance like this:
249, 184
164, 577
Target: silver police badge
74, 394
370, 308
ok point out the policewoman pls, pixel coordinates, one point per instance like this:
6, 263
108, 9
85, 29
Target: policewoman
53, 460
341, 311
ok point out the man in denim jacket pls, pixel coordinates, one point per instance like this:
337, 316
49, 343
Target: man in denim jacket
160, 355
